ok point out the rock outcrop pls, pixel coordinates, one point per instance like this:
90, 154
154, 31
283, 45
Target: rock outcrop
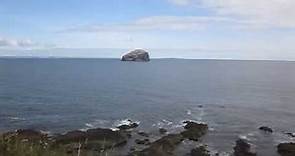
199, 151
166, 145
128, 126
137, 55
242, 148
286, 149
162, 131
161, 147
266, 129
193, 131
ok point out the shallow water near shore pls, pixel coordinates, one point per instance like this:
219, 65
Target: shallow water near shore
233, 97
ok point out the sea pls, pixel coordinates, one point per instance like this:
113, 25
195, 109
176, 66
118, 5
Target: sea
233, 97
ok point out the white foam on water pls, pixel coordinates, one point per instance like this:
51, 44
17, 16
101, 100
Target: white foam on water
198, 113
211, 129
125, 122
16, 118
163, 123
45, 132
115, 129
89, 125
82, 129
167, 122
95, 124
243, 137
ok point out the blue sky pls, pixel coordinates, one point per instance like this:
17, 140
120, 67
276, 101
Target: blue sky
238, 29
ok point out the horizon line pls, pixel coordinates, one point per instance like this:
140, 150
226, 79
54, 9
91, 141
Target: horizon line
155, 58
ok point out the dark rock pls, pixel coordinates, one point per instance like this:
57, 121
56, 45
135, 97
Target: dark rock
29, 134
200, 106
72, 136
94, 139
162, 147
144, 134
127, 127
137, 55
200, 151
291, 134
132, 149
129, 135
103, 134
162, 131
142, 142
243, 148
193, 131
286, 149
266, 129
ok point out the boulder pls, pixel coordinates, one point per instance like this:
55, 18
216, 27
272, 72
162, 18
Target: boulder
162, 130
162, 147
142, 142
92, 139
128, 126
266, 129
286, 149
144, 134
137, 55
290, 134
193, 131
242, 148
199, 151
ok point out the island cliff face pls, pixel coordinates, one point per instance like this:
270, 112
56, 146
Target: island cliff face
137, 55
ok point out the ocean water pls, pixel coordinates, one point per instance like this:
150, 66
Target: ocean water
233, 97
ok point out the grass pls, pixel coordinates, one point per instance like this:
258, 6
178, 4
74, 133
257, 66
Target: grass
16, 147
22, 147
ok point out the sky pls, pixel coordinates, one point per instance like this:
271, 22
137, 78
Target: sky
222, 29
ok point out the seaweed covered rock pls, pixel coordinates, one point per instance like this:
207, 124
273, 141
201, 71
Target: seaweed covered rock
137, 55
144, 134
193, 131
286, 149
142, 142
129, 125
72, 136
199, 151
92, 139
162, 130
290, 134
243, 148
266, 129
162, 147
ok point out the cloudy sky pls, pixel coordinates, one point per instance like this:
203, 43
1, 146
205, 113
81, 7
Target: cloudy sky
238, 29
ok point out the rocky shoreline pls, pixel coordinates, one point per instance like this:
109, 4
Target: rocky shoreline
104, 141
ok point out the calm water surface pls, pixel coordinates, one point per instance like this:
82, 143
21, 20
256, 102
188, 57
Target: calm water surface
237, 96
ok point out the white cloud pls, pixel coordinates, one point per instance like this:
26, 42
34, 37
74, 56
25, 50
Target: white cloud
181, 2
21, 44
266, 13
164, 23
5, 42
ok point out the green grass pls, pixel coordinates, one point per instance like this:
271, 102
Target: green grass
17, 147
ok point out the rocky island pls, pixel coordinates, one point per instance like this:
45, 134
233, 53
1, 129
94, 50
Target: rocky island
137, 55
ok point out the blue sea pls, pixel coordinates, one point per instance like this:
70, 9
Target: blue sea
233, 97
